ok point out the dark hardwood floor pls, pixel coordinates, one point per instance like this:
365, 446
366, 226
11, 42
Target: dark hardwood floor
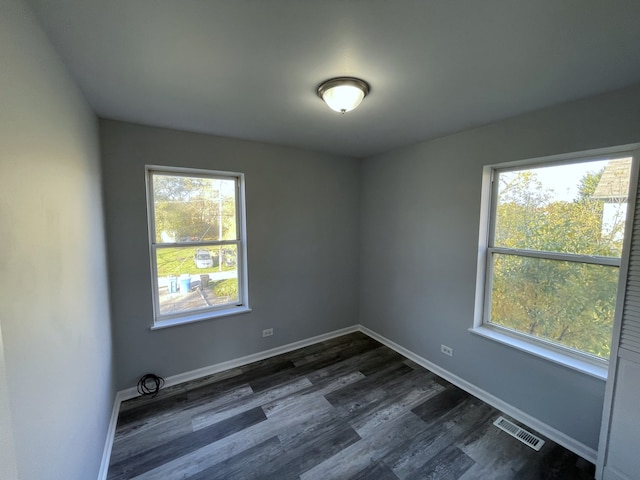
346, 408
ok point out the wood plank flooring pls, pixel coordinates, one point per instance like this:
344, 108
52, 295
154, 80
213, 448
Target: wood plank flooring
348, 408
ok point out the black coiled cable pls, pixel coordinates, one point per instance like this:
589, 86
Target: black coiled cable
150, 384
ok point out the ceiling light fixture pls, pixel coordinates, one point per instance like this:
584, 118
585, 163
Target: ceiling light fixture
343, 94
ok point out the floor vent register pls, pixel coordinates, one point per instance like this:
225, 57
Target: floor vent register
521, 434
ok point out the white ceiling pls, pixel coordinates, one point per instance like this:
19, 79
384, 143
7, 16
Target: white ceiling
249, 68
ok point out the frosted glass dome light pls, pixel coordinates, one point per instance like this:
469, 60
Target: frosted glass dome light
343, 94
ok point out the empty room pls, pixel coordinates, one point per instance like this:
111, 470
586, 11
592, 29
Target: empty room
386, 239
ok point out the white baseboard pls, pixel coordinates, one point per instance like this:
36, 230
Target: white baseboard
551, 433
111, 431
239, 362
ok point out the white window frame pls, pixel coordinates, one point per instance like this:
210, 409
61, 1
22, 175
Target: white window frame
539, 347
242, 305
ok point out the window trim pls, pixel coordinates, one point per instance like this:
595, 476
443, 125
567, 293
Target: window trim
239, 307
556, 353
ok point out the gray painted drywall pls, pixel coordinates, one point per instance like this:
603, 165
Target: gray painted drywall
419, 230
55, 311
8, 467
302, 226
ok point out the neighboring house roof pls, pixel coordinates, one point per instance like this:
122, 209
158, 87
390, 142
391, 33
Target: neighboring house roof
614, 183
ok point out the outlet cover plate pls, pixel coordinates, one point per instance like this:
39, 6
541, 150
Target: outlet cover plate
446, 350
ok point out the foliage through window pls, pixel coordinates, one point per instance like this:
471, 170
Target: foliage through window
197, 243
554, 252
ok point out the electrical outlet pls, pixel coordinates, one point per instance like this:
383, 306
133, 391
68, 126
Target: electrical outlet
446, 350
267, 332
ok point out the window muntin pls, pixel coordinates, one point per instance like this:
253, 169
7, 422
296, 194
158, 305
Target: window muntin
197, 244
553, 256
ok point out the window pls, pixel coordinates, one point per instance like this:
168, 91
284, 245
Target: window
197, 244
553, 243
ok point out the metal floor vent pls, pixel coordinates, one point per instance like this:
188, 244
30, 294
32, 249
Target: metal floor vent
521, 434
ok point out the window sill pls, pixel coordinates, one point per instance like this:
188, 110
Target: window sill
198, 317
593, 369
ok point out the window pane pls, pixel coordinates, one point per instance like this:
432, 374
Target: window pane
194, 209
193, 278
576, 208
571, 304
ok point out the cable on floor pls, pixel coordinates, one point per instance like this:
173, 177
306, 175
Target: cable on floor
150, 384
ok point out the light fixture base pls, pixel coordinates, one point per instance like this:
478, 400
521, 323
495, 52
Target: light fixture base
343, 94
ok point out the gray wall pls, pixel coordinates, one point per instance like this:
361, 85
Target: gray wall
55, 312
420, 219
8, 467
302, 225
